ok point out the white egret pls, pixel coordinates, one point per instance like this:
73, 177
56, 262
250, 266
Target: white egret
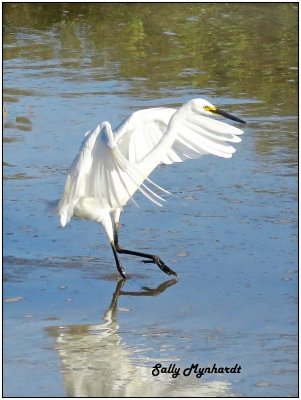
111, 167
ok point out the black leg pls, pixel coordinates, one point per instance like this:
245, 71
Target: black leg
119, 266
150, 257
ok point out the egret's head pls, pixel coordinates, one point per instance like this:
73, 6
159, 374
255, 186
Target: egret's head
201, 106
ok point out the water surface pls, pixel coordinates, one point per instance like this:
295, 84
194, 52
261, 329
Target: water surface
229, 229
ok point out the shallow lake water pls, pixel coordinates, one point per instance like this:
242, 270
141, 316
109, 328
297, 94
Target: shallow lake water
229, 229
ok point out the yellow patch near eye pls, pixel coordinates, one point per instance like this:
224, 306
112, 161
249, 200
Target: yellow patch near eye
209, 108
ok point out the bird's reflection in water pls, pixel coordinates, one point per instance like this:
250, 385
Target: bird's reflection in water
96, 362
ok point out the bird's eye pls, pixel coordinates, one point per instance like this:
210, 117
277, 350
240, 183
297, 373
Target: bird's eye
206, 108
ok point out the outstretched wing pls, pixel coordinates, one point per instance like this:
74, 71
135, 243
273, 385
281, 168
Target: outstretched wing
197, 135
100, 171
141, 132
108, 168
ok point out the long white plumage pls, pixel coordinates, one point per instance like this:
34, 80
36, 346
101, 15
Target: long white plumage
111, 167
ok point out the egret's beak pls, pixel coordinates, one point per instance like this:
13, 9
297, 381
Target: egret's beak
227, 115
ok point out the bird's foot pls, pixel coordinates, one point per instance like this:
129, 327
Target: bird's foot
121, 270
161, 265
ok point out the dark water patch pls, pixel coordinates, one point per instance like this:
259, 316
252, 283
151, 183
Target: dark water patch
17, 269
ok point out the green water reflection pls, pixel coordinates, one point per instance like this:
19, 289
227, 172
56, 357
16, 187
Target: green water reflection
250, 49
242, 50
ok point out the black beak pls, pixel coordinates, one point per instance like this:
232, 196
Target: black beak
225, 114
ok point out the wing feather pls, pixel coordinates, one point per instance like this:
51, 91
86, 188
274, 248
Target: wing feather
104, 174
109, 171
138, 135
197, 135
